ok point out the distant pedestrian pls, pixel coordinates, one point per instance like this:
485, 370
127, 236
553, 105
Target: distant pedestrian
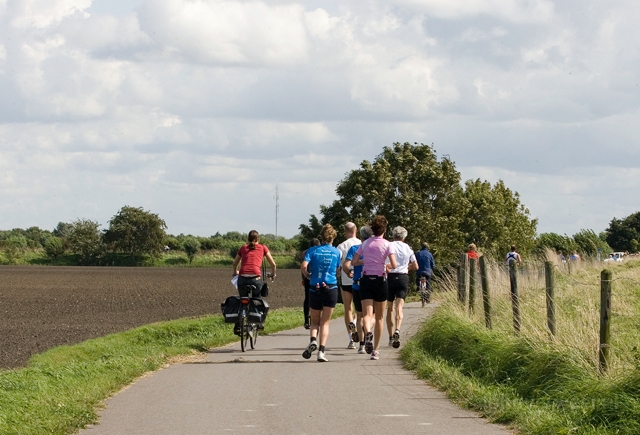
513, 255
561, 257
321, 266
373, 254
472, 252
574, 256
426, 266
350, 230
356, 273
305, 284
398, 284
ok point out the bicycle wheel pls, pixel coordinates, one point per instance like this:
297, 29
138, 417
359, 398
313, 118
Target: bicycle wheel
253, 336
244, 333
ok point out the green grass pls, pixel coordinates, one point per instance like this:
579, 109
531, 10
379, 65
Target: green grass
61, 390
535, 383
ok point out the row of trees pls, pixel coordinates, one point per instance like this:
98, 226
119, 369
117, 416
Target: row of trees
412, 188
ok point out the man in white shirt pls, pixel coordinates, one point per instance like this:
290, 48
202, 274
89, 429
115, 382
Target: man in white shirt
350, 231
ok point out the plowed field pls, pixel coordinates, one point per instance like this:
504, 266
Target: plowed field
43, 307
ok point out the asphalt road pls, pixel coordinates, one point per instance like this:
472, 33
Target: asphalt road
273, 390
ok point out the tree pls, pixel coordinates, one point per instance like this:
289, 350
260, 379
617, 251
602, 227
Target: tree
412, 188
589, 243
624, 234
86, 241
191, 247
136, 232
495, 219
54, 247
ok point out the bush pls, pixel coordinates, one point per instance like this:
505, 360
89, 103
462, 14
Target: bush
191, 246
54, 247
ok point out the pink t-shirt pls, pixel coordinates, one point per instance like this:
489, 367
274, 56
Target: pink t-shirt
374, 251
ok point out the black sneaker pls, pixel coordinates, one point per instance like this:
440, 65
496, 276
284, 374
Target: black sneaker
368, 342
310, 349
396, 339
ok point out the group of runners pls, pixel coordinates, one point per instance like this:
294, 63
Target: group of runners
374, 280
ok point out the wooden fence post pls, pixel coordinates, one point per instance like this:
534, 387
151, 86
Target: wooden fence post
472, 284
486, 301
462, 279
515, 302
551, 303
605, 318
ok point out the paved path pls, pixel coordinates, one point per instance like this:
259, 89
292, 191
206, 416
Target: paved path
273, 390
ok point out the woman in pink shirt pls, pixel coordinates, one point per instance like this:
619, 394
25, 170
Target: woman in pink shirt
372, 254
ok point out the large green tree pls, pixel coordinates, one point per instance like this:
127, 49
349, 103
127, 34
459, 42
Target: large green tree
86, 241
624, 234
413, 188
136, 232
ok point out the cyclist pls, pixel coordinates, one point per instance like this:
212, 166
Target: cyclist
372, 254
350, 231
355, 273
426, 265
320, 266
250, 257
305, 284
398, 284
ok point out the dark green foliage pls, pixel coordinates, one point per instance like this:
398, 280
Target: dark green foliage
191, 246
136, 232
589, 243
624, 234
556, 242
86, 241
54, 247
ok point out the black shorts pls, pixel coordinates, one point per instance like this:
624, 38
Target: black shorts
398, 286
374, 287
324, 297
347, 288
357, 300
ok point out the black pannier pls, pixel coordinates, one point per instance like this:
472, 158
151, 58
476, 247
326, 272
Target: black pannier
230, 309
258, 310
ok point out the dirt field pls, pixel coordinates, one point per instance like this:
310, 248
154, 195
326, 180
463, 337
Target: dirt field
42, 307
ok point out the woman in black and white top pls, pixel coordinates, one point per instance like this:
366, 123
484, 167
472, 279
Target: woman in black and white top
398, 284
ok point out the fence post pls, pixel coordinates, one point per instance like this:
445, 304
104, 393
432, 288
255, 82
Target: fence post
462, 278
551, 303
472, 284
515, 302
605, 318
486, 301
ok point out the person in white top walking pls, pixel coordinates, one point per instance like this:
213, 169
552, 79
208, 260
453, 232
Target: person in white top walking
398, 284
350, 231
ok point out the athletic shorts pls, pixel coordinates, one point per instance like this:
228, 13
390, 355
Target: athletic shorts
347, 288
398, 286
324, 297
357, 300
374, 287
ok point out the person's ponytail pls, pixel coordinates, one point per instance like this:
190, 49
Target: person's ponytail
253, 239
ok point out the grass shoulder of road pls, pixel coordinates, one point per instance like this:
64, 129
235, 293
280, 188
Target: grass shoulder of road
531, 382
62, 389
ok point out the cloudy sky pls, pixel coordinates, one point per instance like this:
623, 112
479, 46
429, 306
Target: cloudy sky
197, 109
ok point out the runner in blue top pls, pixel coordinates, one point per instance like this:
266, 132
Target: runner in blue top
355, 272
320, 266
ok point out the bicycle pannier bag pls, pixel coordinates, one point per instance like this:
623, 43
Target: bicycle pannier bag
230, 309
258, 310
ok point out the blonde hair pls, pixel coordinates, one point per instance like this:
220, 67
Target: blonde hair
327, 234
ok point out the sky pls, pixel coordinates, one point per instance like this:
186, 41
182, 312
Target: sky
197, 109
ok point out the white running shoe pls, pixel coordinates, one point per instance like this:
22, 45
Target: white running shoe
395, 342
310, 349
361, 349
351, 345
321, 357
375, 355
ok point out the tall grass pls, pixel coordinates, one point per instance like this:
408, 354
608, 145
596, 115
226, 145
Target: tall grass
534, 377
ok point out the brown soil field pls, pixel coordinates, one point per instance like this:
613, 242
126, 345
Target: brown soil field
43, 307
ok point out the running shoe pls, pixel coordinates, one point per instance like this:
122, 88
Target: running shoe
351, 345
310, 349
375, 355
307, 326
368, 342
396, 339
354, 331
361, 349
321, 357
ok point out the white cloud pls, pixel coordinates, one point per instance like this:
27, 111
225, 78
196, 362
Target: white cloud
517, 11
43, 13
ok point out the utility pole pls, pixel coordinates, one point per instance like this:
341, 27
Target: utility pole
277, 198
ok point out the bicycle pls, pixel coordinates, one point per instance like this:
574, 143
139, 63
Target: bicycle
247, 329
425, 293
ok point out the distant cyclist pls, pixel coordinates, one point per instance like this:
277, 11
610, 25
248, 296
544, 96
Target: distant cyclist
350, 231
398, 284
320, 266
250, 257
373, 254
426, 265
355, 272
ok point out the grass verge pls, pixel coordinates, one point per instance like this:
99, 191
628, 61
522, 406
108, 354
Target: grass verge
61, 390
535, 383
